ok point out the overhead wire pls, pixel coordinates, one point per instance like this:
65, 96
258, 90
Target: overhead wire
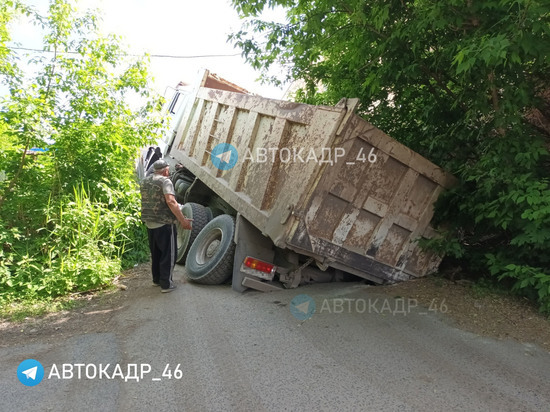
170, 56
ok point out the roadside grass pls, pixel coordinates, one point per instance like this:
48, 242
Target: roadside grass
20, 311
488, 287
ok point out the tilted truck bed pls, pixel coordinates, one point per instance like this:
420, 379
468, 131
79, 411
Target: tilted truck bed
304, 178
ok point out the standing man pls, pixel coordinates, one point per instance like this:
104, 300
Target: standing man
159, 212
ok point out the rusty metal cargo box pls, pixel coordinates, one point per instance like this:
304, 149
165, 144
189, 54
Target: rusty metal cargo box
318, 180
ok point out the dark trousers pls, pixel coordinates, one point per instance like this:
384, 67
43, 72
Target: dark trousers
162, 243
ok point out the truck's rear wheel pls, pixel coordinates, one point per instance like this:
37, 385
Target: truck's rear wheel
210, 257
200, 217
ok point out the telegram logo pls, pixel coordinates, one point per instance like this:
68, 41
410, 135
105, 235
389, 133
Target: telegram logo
30, 372
302, 307
224, 156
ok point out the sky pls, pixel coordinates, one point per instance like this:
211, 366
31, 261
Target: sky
176, 28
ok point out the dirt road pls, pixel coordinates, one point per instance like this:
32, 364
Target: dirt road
359, 350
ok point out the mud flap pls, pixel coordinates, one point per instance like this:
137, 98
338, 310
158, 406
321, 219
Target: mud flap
250, 242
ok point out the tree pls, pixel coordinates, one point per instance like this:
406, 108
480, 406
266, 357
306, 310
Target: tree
69, 208
465, 83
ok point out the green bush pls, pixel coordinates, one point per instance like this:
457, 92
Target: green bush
82, 247
70, 214
465, 84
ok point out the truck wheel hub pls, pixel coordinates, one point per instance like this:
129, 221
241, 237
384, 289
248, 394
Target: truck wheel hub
212, 248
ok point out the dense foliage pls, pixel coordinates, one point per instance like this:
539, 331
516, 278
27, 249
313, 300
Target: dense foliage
68, 202
465, 83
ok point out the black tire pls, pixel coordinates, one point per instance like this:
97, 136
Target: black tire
177, 186
186, 238
181, 182
181, 187
209, 213
210, 258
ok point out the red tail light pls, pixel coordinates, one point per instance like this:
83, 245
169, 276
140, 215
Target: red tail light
260, 265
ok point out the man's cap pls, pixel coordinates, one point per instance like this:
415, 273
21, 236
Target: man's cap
159, 165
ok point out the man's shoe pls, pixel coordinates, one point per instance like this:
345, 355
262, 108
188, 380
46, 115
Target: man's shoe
155, 284
170, 289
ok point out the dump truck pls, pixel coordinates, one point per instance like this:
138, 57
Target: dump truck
284, 193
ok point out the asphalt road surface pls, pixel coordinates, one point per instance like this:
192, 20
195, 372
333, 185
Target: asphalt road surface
249, 352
